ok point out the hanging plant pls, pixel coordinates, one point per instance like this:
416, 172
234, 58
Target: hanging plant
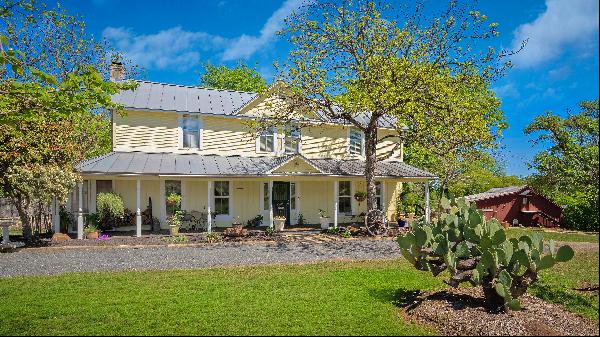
360, 196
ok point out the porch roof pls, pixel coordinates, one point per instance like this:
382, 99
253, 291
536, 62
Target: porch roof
170, 164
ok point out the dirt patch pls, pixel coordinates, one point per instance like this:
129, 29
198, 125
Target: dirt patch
459, 312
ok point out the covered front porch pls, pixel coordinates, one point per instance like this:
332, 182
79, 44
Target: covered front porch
248, 190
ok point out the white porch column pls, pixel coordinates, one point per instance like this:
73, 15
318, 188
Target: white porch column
162, 205
92, 197
138, 213
209, 207
55, 215
336, 195
427, 209
271, 203
80, 211
298, 197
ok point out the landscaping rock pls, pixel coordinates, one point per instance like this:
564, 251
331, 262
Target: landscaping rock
459, 312
60, 237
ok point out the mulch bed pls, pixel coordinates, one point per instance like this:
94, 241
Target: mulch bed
459, 312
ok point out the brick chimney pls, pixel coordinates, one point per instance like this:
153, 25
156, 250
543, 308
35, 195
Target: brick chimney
117, 71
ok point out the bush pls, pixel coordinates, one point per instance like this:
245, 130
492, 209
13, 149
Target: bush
477, 251
110, 208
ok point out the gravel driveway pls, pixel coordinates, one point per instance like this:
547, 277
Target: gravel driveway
57, 261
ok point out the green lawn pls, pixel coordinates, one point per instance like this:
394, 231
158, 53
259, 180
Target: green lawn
339, 298
556, 235
556, 284
329, 298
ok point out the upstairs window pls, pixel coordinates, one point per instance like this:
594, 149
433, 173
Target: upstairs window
190, 126
345, 197
266, 141
357, 142
292, 140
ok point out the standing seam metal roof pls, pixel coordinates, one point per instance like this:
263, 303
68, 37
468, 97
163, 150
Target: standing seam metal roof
141, 163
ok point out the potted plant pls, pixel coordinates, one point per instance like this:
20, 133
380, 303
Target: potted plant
279, 223
401, 218
91, 232
360, 196
173, 201
174, 223
324, 219
236, 223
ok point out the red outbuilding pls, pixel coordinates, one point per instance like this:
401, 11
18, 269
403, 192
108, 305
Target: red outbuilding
518, 205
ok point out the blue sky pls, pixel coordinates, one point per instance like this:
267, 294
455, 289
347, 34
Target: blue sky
171, 39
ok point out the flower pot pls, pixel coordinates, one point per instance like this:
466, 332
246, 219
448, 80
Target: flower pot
279, 224
92, 235
325, 222
401, 223
174, 230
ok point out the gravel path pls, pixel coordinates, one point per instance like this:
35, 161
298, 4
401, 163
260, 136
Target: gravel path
57, 261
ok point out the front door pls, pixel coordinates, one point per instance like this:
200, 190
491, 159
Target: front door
281, 200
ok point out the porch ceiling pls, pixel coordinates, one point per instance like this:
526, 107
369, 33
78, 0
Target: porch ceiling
170, 164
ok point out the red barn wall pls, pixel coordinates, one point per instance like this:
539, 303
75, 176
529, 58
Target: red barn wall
507, 208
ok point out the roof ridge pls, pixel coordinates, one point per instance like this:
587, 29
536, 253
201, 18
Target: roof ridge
196, 87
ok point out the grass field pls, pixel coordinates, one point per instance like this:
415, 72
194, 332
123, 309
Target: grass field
556, 235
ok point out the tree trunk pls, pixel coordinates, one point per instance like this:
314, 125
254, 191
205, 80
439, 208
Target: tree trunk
370, 160
22, 209
493, 301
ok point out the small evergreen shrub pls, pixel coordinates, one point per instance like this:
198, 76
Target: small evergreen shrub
110, 208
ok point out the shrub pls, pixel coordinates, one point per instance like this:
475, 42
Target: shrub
270, 231
255, 222
213, 237
110, 208
477, 251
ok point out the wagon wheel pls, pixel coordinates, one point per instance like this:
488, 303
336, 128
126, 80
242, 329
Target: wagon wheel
376, 222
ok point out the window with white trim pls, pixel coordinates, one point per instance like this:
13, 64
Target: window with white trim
292, 140
378, 195
357, 142
222, 197
266, 141
345, 197
190, 127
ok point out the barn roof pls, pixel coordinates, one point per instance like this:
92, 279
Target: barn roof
497, 192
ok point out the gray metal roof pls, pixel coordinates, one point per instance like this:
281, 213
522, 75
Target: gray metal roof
141, 163
496, 192
170, 97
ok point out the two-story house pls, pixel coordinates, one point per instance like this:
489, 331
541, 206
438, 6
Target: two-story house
196, 142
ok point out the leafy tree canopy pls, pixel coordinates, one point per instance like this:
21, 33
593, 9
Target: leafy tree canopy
567, 170
425, 73
240, 78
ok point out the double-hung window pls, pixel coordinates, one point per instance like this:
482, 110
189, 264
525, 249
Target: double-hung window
222, 197
292, 140
190, 127
357, 142
345, 197
266, 141
378, 195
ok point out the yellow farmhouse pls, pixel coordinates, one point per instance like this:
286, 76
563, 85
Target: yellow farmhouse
197, 143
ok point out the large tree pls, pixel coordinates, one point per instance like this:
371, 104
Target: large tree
364, 63
50, 112
240, 78
567, 170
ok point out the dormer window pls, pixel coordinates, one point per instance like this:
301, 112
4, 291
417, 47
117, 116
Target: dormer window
266, 141
190, 127
292, 140
357, 142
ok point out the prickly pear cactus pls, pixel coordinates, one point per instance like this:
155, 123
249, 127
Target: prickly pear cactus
476, 251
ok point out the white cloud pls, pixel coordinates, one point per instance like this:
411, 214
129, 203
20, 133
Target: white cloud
565, 25
245, 46
506, 90
171, 48
179, 49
